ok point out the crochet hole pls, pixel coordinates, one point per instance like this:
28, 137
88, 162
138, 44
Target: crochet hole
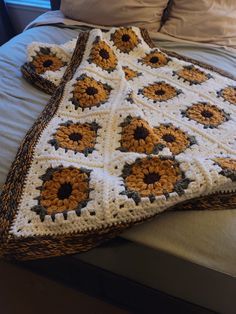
151, 178
154, 60
91, 91
47, 63
64, 191
125, 37
122, 206
168, 138
104, 54
140, 133
29, 221
160, 92
207, 114
76, 137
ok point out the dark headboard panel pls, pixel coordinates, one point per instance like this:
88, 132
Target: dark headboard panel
55, 4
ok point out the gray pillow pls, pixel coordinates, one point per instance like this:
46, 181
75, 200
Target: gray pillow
205, 21
147, 13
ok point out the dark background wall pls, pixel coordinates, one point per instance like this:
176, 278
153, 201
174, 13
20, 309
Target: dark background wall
6, 29
22, 15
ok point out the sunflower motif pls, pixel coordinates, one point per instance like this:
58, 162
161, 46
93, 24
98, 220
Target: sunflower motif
153, 176
45, 60
102, 55
130, 74
173, 138
207, 114
159, 91
229, 94
155, 59
125, 39
88, 92
228, 166
192, 74
63, 190
76, 136
137, 136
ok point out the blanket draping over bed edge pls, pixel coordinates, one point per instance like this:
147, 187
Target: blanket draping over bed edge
129, 132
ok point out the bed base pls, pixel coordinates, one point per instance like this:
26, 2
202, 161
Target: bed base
110, 287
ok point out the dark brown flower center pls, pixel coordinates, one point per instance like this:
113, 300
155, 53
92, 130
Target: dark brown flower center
160, 92
64, 191
207, 114
125, 37
151, 178
91, 91
75, 137
140, 133
169, 138
104, 54
47, 63
154, 59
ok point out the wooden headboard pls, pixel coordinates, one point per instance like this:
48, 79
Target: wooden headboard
55, 4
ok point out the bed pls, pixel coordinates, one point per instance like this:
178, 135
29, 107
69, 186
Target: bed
189, 255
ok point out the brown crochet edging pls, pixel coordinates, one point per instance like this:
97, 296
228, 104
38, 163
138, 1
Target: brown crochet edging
170, 53
146, 37
38, 247
13, 187
200, 63
218, 201
36, 80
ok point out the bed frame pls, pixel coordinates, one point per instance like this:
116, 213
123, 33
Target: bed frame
115, 289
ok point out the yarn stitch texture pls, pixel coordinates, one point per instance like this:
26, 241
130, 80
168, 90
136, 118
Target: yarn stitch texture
130, 132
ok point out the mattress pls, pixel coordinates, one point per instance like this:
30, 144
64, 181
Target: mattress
195, 240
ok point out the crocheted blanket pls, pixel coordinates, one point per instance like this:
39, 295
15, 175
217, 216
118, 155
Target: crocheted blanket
129, 132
